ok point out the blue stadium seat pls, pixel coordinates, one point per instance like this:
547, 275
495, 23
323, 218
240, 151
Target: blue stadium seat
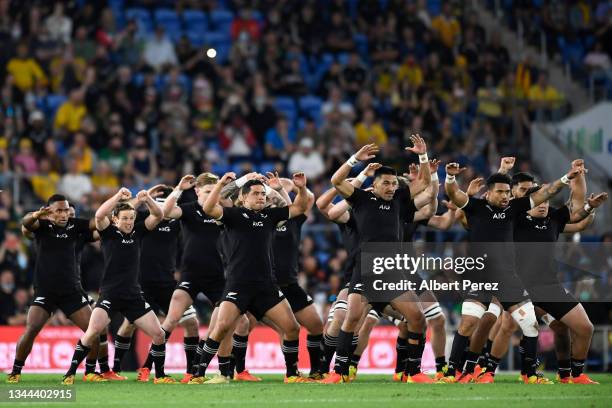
311, 106
197, 38
286, 105
343, 58
142, 16
220, 168
163, 14
53, 102
266, 167
221, 19
195, 20
168, 19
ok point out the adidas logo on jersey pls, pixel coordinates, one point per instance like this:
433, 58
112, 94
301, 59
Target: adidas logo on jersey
308, 298
499, 216
280, 294
184, 285
105, 303
147, 305
84, 299
245, 215
231, 295
258, 223
40, 299
70, 226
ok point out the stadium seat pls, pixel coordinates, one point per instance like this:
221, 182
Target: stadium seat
168, 19
53, 102
196, 38
311, 106
142, 17
195, 20
221, 19
266, 167
220, 168
286, 105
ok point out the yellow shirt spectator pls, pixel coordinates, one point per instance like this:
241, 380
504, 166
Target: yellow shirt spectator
105, 182
69, 116
369, 131
45, 185
411, 72
447, 28
547, 95
26, 73
58, 68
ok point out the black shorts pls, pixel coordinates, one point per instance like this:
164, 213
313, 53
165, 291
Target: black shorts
67, 303
296, 296
90, 300
256, 298
159, 296
553, 298
510, 289
211, 288
132, 307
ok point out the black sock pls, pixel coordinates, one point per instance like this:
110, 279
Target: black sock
401, 349
103, 363
158, 352
313, 343
122, 345
531, 358
149, 361
440, 363
492, 363
239, 350
329, 348
291, 349
455, 361
190, 345
565, 368
354, 344
577, 367
224, 366
232, 364
17, 366
208, 352
486, 351
90, 366
521, 349
196, 361
80, 352
355, 360
471, 358
343, 352
413, 367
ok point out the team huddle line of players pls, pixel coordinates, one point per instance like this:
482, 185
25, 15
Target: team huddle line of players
240, 245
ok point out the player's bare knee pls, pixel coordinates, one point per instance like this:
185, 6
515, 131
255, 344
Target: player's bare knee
292, 331
584, 329
468, 325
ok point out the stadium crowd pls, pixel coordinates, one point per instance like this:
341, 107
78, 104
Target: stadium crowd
98, 95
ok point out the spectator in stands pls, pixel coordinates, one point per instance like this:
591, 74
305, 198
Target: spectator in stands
13, 256
44, 183
7, 301
291, 81
82, 153
369, 130
237, 139
70, 113
489, 100
159, 50
75, 184
128, 46
446, 26
307, 160
280, 140
83, 46
335, 103
104, 180
59, 25
245, 23
25, 160
114, 153
354, 76
544, 99
339, 37
142, 160
37, 130
22, 302
597, 61
262, 115
51, 154
25, 70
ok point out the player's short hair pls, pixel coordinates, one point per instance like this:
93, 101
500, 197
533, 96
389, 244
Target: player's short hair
385, 170
521, 177
205, 179
124, 206
55, 198
532, 190
498, 178
246, 189
71, 205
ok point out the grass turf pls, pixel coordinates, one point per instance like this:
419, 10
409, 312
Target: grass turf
367, 391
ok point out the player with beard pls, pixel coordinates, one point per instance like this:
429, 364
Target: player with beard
491, 220
378, 216
250, 288
56, 281
120, 292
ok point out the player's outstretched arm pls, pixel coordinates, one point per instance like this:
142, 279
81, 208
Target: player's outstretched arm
211, 206
580, 225
550, 190
300, 204
276, 186
457, 197
106, 209
443, 222
424, 176
156, 215
578, 188
170, 209
429, 196
339, 181
593, 202
30, 221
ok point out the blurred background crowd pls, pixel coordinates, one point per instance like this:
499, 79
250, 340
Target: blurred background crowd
101, 94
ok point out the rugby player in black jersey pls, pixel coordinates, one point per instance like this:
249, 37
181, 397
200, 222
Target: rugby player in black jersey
378, 216
285, 257
156, 276
201, 266
491, 220
120, 291
249, 286
56, 281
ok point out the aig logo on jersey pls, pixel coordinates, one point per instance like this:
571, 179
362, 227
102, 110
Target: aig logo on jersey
282, 228
258, 223
164, 229
61, 235
385, 207
127, 241
499, 216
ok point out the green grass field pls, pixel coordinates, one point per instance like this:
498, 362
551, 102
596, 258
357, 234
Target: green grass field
368, 391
